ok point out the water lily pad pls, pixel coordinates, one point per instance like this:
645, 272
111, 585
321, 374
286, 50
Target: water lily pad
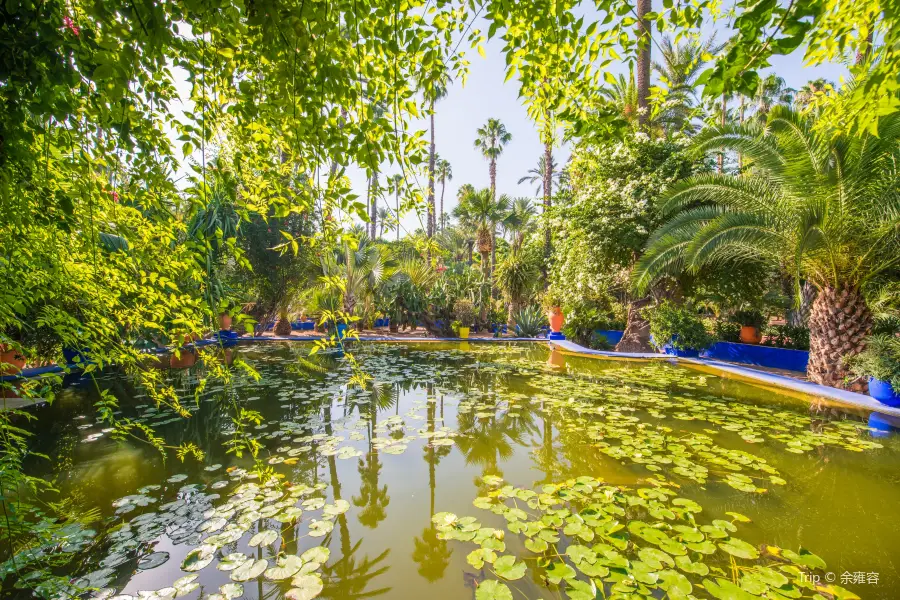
251, 569
263, 538
285, 567
492, 590
232, 561
305, 587
232, 590
198, 558
151, 561
317, 554
739, 548
320, 528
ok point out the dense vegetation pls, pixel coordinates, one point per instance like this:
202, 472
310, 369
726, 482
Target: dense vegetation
167, 165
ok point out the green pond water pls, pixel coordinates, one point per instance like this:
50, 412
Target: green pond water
486, 471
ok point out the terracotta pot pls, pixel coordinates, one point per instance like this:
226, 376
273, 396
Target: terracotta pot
557, 319
187, 359
750, 334
189, 338
224, 321
14, 361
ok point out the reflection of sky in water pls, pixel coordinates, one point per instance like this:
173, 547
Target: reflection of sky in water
517, 412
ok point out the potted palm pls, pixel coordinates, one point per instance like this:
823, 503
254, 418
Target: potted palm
678, 330
880, 363
751, 321
464, 311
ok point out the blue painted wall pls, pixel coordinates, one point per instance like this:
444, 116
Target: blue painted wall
748, 354
763, 356
611, 336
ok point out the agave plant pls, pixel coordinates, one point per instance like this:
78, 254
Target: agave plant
530, 320
824, 207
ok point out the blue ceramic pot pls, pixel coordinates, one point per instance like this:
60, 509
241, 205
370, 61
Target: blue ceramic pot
341, 330
883, 392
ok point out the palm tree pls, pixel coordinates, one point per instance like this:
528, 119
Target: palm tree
361, 269
771, 91
823, 206
479, 212
519, 220
383, 215
395, 184
681, 65
536, 175
434, 83
444, 172
373, 205
643, 64
492, 137
805, 95
622, 94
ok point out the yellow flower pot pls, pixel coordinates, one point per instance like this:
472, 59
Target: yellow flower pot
464, 333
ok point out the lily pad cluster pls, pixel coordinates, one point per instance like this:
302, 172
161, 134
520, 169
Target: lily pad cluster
589, 539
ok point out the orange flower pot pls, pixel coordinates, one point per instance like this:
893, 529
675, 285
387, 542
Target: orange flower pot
557, 319
224, 321
750, 335
15, 362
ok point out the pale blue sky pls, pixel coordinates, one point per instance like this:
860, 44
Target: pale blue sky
464, 109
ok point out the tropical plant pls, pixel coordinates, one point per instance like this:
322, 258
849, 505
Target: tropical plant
518, 276
434, 79
788, 336
749, 318
771, 91
530, 321
823, 206
681, 64
678, 326
491, 139
464, 311
880, 360
519, 220
479, 212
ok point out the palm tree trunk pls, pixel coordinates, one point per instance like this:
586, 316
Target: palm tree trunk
430, 226
838, 325
492, 170
636, 337
441, 213
374, 216
548, 194
740, 155
493, 261
643, 64
721, 168
397, 214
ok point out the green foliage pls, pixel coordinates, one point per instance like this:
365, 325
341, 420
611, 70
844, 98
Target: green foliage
749, 318
679, 326
530, 321
786, 336
583, 319
880, 359
823, 206
464, 311
726, 330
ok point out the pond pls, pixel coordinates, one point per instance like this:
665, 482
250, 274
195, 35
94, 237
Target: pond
494, 471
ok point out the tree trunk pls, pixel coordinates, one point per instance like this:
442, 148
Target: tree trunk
838, 325
373, 217
485, 272
741, 156
637, 329
548, 194
799, 317
493, 261
862, 53
430, 225
643, 64
398, 214
283, 327
441, 214
721, 165
492, 170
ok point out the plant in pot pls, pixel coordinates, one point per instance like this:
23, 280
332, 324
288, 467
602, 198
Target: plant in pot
552, 304
678, 330
751, 321
530, 321
464, 311
880, 362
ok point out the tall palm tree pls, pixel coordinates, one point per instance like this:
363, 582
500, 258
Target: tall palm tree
824, 206
805, 95
434, 83
444, 172
519, 220
643, 64
395, 184
771, 91
373, 205
491, 138
536, 175
622, 94
383, 215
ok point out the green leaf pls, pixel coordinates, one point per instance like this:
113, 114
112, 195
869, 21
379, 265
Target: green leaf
507, 568
492, 590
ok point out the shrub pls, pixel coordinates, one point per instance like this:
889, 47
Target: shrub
464, 311
786, 336
749, 318
530, 320
727, 330
880, 359
581, 324
678, 326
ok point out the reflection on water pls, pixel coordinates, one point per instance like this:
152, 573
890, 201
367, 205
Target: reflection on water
439, 427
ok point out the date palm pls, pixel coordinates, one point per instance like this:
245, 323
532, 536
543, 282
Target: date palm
536, 175
433, 82
395, 184
492, 138
444, 173
680, 65
479, 212
825, 207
